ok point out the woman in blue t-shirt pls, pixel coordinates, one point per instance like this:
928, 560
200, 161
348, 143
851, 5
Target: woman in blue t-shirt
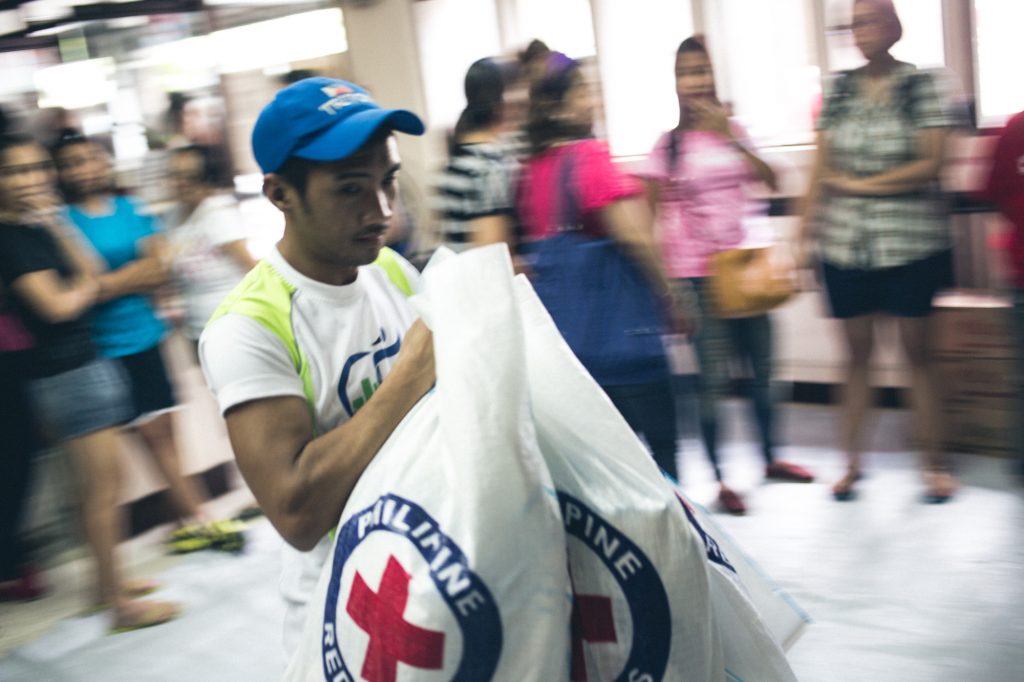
125, 325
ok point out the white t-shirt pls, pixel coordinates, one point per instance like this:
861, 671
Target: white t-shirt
204, 272
350, 336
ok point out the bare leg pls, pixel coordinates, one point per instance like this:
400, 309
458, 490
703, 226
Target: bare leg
859, 336
158, 434
914, 333
97, 473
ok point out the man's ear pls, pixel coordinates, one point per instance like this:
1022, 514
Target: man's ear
280, 193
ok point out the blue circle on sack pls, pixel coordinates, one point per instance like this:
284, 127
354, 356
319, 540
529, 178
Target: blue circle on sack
462, 590
640, 583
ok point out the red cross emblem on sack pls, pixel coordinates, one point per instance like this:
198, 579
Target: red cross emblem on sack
392, 639
591, 622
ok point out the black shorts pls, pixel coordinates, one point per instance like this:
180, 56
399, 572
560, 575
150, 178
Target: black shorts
903, 291
150, 388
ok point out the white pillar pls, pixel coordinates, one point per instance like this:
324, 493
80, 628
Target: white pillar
385, 59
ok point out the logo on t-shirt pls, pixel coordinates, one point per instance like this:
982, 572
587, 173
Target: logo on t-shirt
390, 554
365, 363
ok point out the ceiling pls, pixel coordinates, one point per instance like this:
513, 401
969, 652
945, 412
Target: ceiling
36, 24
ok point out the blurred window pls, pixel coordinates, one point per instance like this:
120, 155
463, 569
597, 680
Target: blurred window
280, 41
76, 85
638, 42
444, 61
194, 62
923, 42
764, 55
998, 25
564, 25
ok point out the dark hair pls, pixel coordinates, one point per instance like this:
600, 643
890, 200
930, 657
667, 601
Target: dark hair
296, 75
485, 96
216, 167
547, 95
695, 44
536, 49
9, 141
295, 171
67, 137
176, 102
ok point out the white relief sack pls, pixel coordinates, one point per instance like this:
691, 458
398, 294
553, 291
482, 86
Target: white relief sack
650, 603
449, 561
641, 597
758, 621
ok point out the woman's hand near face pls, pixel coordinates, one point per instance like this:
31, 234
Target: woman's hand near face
41, 207
44, 209
712, 116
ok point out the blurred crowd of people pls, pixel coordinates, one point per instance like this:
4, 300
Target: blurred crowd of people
84, 270
91, 282
874, 230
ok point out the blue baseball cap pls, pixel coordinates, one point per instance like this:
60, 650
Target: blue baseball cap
322, 119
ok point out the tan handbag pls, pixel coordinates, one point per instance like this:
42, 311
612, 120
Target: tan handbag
748, 282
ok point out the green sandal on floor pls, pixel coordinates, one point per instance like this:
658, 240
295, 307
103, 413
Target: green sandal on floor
187, 539
226, 535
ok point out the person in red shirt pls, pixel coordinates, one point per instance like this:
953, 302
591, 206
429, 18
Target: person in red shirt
1005, 188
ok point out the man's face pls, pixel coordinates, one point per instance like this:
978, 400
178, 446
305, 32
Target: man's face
26, 176
348, 205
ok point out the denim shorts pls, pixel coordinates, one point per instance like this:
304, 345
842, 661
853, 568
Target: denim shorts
80, 401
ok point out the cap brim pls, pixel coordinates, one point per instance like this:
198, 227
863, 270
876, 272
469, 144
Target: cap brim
351, 133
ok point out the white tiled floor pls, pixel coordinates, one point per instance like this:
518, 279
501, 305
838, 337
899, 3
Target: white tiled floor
898, 590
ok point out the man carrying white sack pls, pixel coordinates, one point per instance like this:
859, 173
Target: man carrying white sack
295, 353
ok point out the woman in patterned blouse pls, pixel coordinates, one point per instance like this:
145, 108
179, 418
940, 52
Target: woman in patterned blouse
876, 214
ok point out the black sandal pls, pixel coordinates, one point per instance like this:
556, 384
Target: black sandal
843, 491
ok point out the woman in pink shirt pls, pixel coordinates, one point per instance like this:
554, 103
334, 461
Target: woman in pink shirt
703, 171
570, 190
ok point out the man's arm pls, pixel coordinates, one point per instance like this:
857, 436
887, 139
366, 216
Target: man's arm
302, 483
